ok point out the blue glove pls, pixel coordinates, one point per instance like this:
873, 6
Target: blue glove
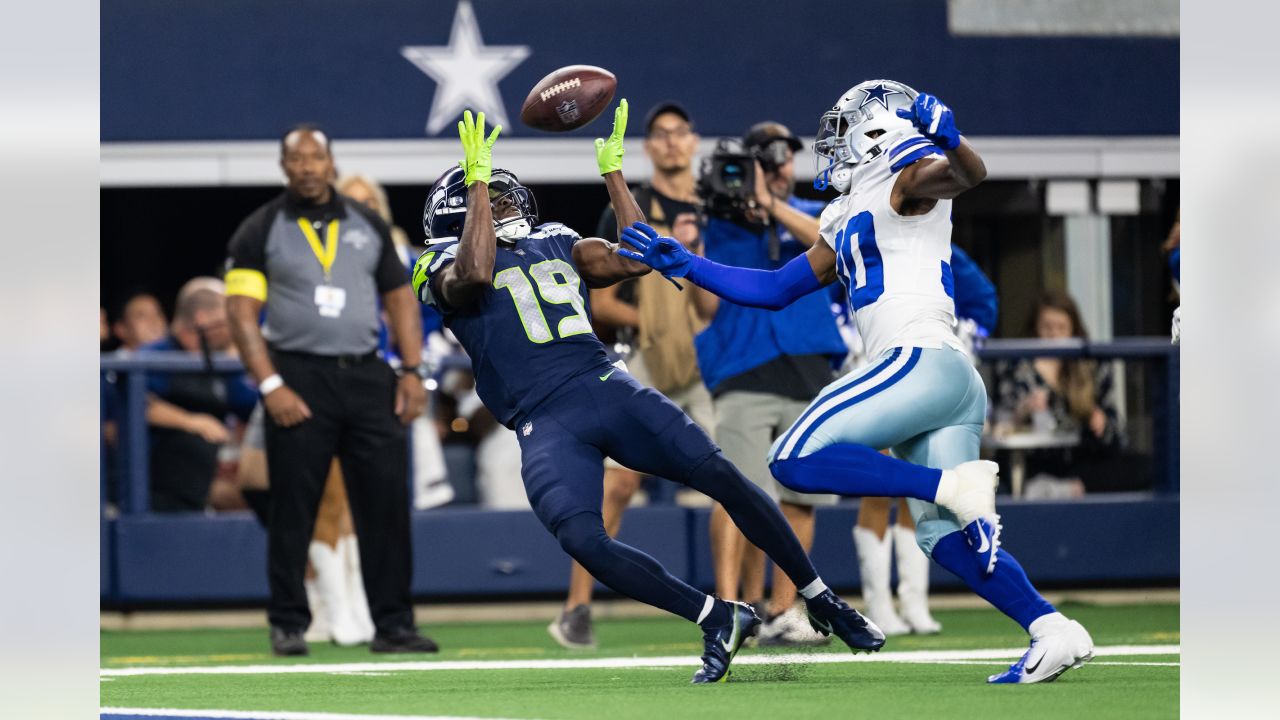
934, 120
664, 254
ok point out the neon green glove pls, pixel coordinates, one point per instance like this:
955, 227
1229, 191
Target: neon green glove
477, 152
609, 152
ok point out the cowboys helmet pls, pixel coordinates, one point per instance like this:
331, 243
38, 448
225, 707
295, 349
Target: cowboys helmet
858, 128
515, 211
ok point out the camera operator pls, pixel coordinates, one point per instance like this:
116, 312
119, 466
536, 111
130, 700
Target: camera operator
762, 367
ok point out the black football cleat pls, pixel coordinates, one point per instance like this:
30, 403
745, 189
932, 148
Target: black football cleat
721, 643
830, 615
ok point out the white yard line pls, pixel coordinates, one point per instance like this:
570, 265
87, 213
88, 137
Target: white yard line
268, 715
918, 656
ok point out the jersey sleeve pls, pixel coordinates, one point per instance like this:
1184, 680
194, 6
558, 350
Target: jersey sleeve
911, 150
427, 271
247, 257
827, 224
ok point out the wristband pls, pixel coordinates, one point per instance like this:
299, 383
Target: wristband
269, 384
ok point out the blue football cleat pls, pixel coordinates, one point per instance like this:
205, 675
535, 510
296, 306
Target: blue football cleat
983, 535
828, 614
721, 643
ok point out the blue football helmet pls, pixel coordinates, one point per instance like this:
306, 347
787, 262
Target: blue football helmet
515, 210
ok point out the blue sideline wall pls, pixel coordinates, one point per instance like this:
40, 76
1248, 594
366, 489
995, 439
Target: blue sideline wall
193, 558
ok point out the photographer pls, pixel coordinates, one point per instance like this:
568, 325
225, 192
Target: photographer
762, 367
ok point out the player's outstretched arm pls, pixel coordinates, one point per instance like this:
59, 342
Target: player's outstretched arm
469, 275
769, 289
939, 178
598, 260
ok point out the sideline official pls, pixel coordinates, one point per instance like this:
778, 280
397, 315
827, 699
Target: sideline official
320, 262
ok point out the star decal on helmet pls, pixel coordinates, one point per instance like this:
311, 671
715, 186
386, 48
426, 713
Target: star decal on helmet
878, 93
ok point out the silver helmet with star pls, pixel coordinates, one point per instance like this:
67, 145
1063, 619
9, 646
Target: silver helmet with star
859, 127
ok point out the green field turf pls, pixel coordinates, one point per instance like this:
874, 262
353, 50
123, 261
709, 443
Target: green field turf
1113, 686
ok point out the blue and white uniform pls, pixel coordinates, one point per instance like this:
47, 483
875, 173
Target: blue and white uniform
919, 394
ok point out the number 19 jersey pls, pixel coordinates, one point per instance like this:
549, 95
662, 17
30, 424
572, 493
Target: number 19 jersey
529, 332
895, 269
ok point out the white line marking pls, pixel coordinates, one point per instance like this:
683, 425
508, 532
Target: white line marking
269, 714
622, 662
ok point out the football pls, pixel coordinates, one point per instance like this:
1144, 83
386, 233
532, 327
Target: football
568, 98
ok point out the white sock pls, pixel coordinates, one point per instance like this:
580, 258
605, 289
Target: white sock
813, 589
706, 609
946, 487
1044, 622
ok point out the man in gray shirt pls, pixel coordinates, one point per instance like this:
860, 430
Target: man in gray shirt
320, 262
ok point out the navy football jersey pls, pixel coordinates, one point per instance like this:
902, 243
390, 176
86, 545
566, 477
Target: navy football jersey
529, 332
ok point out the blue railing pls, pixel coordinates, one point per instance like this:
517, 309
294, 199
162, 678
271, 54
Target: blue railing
132, 451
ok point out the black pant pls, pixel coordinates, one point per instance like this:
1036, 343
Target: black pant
352, 416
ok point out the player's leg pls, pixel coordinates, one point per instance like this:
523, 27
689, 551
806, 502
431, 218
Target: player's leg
644, 430
562, 472
834, 446
572, 626
1064, 642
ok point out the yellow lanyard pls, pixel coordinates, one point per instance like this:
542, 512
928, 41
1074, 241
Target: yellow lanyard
324, 254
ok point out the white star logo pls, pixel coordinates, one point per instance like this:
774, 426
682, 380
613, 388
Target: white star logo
466, 72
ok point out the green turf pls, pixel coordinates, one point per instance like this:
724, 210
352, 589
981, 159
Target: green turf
833, 690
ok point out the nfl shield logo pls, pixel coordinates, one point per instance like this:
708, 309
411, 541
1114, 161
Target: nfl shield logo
526, 429
568, 111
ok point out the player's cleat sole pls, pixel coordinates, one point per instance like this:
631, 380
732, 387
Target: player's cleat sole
983, 535
1065, 646
721, 644
829, 615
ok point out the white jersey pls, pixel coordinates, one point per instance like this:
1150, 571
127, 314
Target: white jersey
896, 270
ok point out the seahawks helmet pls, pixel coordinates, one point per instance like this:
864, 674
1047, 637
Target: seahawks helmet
845, 132
446, 207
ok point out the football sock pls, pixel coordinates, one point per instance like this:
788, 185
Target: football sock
1007, 588
813, 589
260, 503
858, 471
715, 613
628, 570
755, 514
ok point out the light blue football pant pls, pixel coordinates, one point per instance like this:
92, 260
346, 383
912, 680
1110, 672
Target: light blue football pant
925, 405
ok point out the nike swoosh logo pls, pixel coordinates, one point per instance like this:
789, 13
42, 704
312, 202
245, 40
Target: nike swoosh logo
823, 624
985, 543
606, 375
1032, 668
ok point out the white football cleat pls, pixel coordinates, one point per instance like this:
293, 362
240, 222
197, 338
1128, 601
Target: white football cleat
1057, 645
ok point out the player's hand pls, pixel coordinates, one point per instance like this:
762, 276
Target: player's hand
664, 254
609, 152
476, 151
934, 120
285, 407
411, 397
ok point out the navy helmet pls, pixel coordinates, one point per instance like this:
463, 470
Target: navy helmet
446, 207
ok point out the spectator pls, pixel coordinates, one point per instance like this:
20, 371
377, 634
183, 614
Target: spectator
654, 322
1062, 396
140, 321
367, 191
325, 389
187, 412
763, 368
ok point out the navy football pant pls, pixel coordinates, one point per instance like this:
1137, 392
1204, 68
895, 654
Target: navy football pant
563, 444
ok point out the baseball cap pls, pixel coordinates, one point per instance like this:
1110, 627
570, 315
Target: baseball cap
762, 133
666, 106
